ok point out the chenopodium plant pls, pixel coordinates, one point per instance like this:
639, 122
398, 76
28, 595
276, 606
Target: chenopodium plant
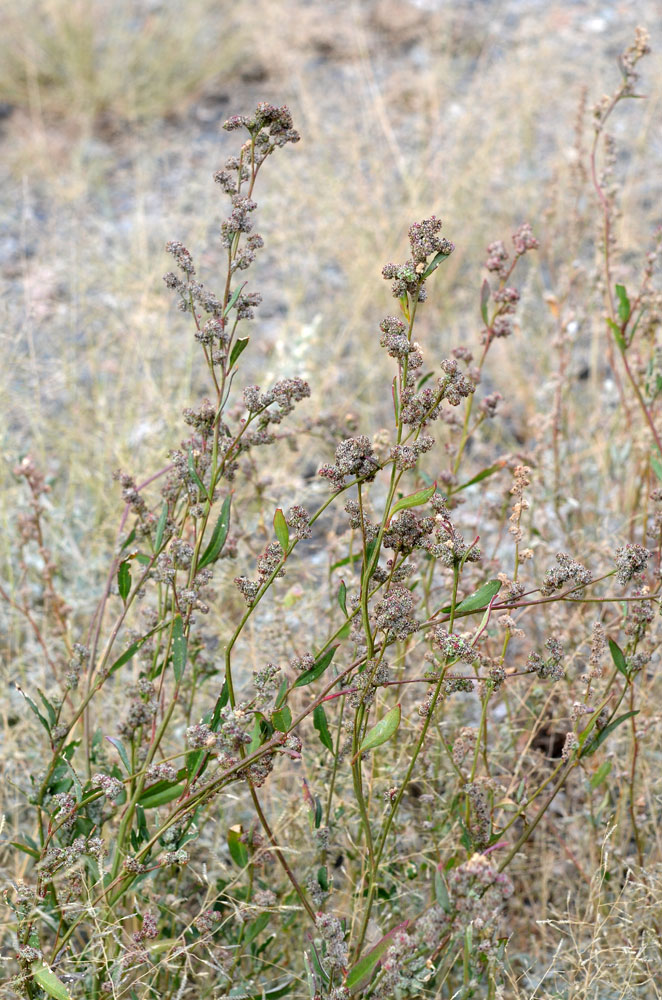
159, 868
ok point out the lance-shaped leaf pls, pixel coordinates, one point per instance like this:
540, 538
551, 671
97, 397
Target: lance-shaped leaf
656, 466
160, 528
233, 298
478, 478
623, 304
193, 472
618, 333
618, 658
160, 794
219, 535
435, 262
119, 746
592, 746
413, 500
479, 599
361, 973
485, 292
317, 669
49, 982
380, 732
281, 529
322, 727
179, 648
237, 848
238, 349
342, 598
124, 580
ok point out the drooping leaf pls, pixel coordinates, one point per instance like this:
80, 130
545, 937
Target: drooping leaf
624, 307
478, 600
321, 725
317, 669
179, 648
618, 658
124, 580
49, 982
413, 500
33, 708
219, 535
656, 466
237, 848
119, 746
381, 731
281, 529
238, 349
282, 719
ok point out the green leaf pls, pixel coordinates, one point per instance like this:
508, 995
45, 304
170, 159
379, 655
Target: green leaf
413, 500
281, 529
32, 851
256, 926
480, 476
317, 669
618, 658
624, 308
282, 719
485, 292
656, 466
160, 528
478, 600
361, 973
346, 561
124, 580
434, 263
237, 848
50, 710
219, 535
33, 708
441, 892
233, 298
179, 648
601, 773
160, 794
591, 747
342, 598
381, 731
282, 693
49, 982
321, 725
119, 746
131, 537
279, 990
323, 878
238, 349
618, 334
193, 472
